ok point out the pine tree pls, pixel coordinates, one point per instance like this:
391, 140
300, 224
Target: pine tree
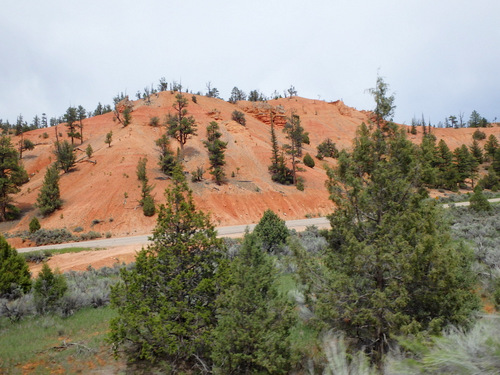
295, 134
81, 115
109, 138
272, 231
167, 160
180, 126
216, 149
145, 187
49, 197
491, 145
427, 154
48, 289
166, 304
12, 175
391, 267
15, 277
71, 117
65, 154
478, 202
254, 320
477, 152
448, 174
384, 108
280, 173
466, 164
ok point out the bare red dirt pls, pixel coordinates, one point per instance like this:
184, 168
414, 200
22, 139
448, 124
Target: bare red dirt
103, 196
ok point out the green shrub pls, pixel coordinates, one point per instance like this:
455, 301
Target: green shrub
34, 225
78, 229
478, 201
309, 161
148, 206
300, 183
154, 121
271, 230
48, 289
15, 277
193, 98
239, 117
478, 135
197, 175
51, 236
327, 149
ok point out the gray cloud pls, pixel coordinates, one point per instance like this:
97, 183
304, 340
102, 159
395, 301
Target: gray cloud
440, 58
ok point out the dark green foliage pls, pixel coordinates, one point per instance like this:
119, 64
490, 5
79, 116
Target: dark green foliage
197, 175
496, 161
27, 144
145, 187
327, 149
154, 121
254, 320
466, 164
166, 304
65, 155
49, 197
309, 161
239, 117
148, 206
71, 117
167, 160
491, 146
447, 175
216, 149
476, 121
477, 152
12, 175
15, 277
478, 135
89, 151
478, 202
109, 138
272, 231
256, 96
384, 109
48, 289
193, 99
491, 180
392, 268
123, 110
300, 183
34, 225
180, 126
279, 171
81, 114
295, 134
236, 95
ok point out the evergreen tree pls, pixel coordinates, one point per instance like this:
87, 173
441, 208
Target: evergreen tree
466, 164
15, 277
166, 303
254, 320
180, 126
48, 289
145, 187
216, 149
448, 174
427, 155
327, 149
477, 152
65, 154
12, 175
478, 202
491, 180
295, 134
34, 225
384, 108
491, 145
496, 161
272, 231
71, 117
236, 95
89, 151
109, 138
392, 267
49, 197
167, 160
81, 115
280, 173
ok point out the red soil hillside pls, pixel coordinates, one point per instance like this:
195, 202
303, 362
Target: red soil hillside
97, 191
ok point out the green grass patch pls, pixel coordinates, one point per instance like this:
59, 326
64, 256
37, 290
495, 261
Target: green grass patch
50, 343
41, 255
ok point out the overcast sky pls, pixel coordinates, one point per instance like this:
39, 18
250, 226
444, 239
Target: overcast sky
438, 57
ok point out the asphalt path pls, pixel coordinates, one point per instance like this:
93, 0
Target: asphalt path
231, 231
